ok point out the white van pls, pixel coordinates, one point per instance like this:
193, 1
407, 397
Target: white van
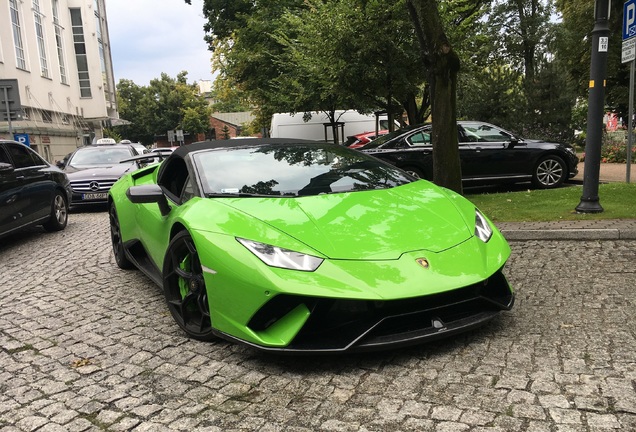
288, 125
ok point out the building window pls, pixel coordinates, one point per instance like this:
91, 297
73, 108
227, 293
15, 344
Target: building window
47, 116
100, 44
80, 53
39, 36
17, 35
59, 41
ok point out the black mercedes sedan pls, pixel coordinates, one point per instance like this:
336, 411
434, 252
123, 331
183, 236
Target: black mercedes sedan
488, 154
94, 168
32, 191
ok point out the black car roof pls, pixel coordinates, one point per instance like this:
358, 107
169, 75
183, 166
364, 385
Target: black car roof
233, 143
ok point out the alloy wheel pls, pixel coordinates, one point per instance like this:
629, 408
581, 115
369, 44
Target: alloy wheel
184, 288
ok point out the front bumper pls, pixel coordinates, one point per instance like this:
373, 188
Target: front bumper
336, 326
349, 305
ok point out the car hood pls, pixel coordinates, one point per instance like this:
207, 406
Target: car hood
379, 224
115, 171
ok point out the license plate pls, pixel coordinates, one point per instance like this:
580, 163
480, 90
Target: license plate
95, 196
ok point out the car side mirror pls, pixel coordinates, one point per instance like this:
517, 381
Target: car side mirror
6, 168
151, 193
513, 142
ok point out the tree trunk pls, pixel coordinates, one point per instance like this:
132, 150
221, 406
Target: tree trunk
443, 64
446, 162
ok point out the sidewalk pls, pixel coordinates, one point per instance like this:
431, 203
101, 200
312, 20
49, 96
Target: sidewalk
612, 229
610, 172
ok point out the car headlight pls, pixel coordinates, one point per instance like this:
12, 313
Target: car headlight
274, 256
482, 227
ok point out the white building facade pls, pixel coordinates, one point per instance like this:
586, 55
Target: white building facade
56, 54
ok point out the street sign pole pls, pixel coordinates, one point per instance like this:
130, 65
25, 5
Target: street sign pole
630, 127
598, 68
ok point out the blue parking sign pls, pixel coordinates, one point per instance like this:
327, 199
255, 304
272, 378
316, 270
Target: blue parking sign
629, 19
22, 139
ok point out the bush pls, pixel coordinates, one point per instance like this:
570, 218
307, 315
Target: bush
614, 153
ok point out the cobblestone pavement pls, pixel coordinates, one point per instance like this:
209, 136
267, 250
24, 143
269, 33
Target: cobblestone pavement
85, 346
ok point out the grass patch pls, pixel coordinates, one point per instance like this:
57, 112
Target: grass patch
617, 199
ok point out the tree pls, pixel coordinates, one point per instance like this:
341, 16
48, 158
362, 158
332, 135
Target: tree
302, 56
166, 104
131, 107
502, 87
574, 50
443, 65
228, 97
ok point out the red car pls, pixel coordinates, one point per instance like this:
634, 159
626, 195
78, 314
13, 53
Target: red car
361, 139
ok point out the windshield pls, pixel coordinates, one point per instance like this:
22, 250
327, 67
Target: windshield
295, 170
99, 156
387, 137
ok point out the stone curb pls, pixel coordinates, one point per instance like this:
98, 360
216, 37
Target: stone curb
569, 234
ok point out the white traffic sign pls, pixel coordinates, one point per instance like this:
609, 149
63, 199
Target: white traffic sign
629, 19
629, 50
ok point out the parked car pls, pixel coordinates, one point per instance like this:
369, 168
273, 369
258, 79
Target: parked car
141, 149
315, 125
362, 139
488, 155
93, 169
32, 191
301, 246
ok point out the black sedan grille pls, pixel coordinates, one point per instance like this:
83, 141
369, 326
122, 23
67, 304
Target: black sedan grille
360, 325
87, 186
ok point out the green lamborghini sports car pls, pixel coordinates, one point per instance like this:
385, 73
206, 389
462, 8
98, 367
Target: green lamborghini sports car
295, 246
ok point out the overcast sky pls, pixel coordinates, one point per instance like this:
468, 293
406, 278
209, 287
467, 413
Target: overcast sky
153, 36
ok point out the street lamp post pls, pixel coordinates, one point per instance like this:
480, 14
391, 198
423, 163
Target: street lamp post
596, 105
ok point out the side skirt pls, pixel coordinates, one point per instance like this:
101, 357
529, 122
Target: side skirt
137, 254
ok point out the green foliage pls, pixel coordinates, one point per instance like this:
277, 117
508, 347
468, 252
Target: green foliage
616, 153
112, 133
574, 50
614, 148
502, 87
165, 104
302, 56
228, 96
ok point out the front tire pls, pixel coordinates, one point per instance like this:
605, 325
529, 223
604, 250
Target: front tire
184, 288
115, 236
59, 213
550, 172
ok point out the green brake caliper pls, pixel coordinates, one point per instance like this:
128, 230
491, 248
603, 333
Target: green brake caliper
184, 286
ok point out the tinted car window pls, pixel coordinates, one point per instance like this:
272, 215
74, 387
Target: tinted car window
420, 139
388, 137
22, 157
95, 156
480, 132
4, 158
293, 171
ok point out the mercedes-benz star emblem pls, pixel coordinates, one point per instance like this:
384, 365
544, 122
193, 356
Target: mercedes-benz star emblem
94, 186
